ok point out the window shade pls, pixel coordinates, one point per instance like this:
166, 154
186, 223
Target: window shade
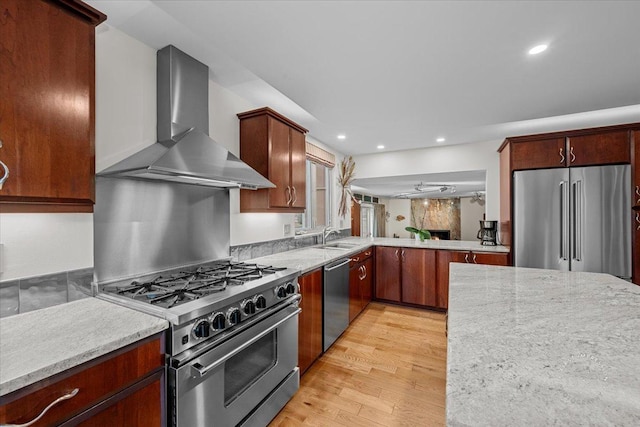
318, 155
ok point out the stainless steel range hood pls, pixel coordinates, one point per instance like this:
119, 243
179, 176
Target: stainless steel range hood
184, 152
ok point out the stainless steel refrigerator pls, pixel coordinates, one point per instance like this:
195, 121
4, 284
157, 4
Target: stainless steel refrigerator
573, 219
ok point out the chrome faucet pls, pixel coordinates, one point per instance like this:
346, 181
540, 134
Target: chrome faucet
326, 232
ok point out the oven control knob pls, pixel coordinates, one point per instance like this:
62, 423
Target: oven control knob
260, 301
291, 288
248, 307
218, 321
201, 329
281, 292
233, 316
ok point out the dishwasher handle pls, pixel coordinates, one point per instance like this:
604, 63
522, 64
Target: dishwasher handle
338, 265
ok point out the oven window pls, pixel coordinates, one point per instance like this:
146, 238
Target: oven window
248, 366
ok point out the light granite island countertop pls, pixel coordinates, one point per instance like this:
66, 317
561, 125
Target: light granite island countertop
42, 343
540, 347
312, 257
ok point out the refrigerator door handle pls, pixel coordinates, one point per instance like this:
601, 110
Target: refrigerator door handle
564, 230
577, 220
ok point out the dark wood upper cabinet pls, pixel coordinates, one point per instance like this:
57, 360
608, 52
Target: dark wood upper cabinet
599, 149
47, 91
275, 147
539, 154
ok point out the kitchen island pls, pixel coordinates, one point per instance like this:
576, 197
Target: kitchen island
541, 347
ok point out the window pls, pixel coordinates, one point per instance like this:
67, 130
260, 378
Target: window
318, 207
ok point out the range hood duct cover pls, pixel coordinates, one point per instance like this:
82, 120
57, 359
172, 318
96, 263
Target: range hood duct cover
184, 152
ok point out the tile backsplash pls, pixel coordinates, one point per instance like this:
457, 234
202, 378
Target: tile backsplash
34, 293
256, 250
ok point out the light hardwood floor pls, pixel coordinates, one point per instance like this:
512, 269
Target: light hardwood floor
387, 369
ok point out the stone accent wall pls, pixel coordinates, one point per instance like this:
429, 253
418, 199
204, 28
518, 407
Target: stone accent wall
437, 214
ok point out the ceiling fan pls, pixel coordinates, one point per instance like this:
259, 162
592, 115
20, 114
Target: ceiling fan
425, 188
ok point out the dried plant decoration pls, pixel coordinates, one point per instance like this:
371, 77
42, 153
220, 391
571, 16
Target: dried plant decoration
345, 178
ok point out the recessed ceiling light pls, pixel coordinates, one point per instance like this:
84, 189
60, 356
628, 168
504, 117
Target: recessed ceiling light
380, 147
441, 139
537, 49
342, 136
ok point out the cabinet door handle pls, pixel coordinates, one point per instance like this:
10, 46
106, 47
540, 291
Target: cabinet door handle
402, 254
397, 251
295, 195
562, 159
363, 273
638, 219
466, 258
67, 396
288, 193
474, 259
6, 173
637, 194
573, 156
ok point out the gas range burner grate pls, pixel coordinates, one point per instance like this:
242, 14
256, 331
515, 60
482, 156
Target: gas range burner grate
182, 286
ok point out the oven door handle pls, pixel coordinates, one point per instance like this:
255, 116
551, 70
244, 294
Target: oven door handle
197, 370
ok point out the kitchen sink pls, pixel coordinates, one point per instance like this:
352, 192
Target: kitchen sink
340, 246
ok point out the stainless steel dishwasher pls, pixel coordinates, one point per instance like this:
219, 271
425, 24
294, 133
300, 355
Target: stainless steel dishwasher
336, 301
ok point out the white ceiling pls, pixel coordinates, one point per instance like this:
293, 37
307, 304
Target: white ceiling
404, 73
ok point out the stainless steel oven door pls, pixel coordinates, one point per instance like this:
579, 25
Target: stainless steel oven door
224, 385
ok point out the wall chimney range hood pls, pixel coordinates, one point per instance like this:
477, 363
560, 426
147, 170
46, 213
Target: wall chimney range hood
184, 152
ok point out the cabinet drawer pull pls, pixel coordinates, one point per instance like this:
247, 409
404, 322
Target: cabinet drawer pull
67, 396
367, 253
573, 156
6, 173
561, 157
356, 259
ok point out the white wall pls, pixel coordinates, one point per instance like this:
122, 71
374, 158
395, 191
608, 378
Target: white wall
453, 158
470, 214
398, 207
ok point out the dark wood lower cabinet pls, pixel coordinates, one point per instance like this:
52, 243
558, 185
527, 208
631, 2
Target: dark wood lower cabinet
418, 276
109, 389
360, 282
388, 273
444, 258
310, 319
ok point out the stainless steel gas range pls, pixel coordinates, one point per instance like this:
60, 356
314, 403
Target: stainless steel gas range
232, 344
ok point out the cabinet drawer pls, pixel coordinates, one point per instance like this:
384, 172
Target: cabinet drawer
95, 380
360, 257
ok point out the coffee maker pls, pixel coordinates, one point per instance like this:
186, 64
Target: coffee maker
488, 232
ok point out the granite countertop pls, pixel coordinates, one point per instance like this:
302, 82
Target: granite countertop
42, 343
312, 257
541, 347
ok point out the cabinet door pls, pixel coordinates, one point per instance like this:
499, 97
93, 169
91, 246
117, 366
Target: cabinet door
279, 164
388, 273
544, 153
46, 104
490, 258
355, 299
442, 286
419, 276
636, 202
310, 319
599, 149
298, 169
367, 282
